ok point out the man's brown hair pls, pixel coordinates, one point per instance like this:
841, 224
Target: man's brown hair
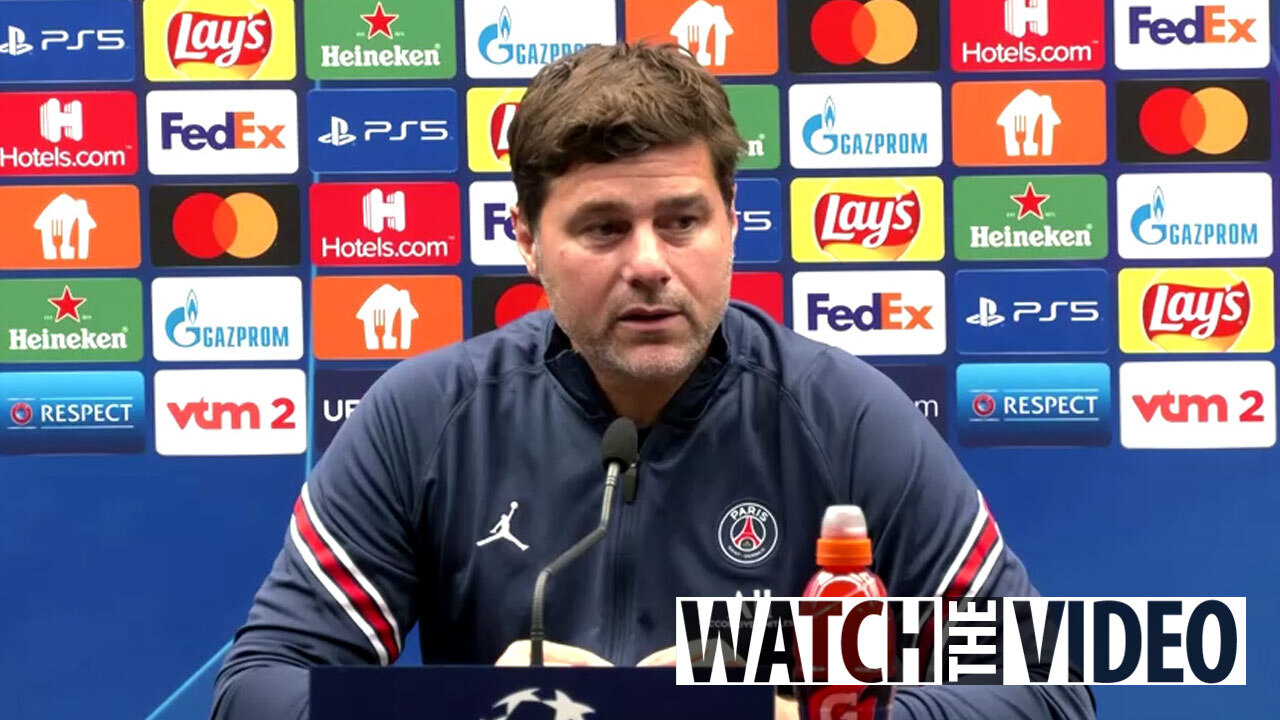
613, 101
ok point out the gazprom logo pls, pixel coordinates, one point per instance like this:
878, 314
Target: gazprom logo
182, 330
500, 30
185, 314
1148, 225
824, 123
1152, 212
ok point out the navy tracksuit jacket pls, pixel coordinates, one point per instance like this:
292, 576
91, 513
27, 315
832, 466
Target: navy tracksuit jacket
390, 528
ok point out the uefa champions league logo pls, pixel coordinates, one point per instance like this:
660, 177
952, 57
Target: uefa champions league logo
526, 704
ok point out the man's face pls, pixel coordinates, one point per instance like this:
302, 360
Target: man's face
636, 257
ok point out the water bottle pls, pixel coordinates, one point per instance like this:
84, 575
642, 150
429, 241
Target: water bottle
844, 570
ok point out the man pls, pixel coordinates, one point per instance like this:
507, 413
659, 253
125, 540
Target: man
623, 158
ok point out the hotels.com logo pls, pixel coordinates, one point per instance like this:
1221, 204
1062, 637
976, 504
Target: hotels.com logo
1004, 35
69, 133
415, 223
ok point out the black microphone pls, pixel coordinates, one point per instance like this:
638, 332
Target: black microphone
619, 450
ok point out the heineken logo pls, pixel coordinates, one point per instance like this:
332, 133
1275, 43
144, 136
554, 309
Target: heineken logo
1040, 217
70, 320
380, 39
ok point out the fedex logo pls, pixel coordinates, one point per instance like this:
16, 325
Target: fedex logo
873, 312
493, 235
1198, 404
231, 412
222, 132
1189, 34
237, 130
886, 311
1209, 24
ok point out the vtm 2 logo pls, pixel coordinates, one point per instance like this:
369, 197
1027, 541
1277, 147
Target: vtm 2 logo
1042, 35
866, 219
502, 43
219, 40
1202, 405
872, 35
1187, 34
1196, 310
231, 412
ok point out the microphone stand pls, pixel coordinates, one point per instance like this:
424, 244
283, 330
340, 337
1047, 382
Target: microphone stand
536, 630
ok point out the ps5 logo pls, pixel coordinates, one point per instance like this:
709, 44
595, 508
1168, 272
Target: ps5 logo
16, 43
339, 134
16, 40
988, 314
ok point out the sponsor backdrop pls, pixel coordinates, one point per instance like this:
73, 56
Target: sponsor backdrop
1050, 221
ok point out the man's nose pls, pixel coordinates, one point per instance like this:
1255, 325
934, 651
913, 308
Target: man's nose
647, 264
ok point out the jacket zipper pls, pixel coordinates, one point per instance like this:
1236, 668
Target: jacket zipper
623, 576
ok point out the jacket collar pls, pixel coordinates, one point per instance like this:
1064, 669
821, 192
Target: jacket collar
573, 373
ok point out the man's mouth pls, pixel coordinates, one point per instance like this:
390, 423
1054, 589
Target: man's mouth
648, 317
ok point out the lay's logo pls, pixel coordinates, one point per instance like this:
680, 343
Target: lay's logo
219, 40
1197, 310
867, 219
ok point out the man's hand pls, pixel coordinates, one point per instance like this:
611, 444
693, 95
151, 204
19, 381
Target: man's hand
783, 709
553, 655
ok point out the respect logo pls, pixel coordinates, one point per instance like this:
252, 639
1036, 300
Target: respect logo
1197, 310
209, 40
866, 219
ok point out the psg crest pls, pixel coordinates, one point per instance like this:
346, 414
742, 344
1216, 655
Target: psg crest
748, 533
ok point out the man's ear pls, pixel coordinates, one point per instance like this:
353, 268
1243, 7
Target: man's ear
524, 241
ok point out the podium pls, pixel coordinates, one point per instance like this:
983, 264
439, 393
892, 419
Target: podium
465, 692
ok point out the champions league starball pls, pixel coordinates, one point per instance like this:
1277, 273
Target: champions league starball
533, 704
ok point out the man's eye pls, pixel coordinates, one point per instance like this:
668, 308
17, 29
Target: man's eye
684, 223
607, 229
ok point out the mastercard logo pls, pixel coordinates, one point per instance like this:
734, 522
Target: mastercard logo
1175, 121
242, 225
519, 301
845, 32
